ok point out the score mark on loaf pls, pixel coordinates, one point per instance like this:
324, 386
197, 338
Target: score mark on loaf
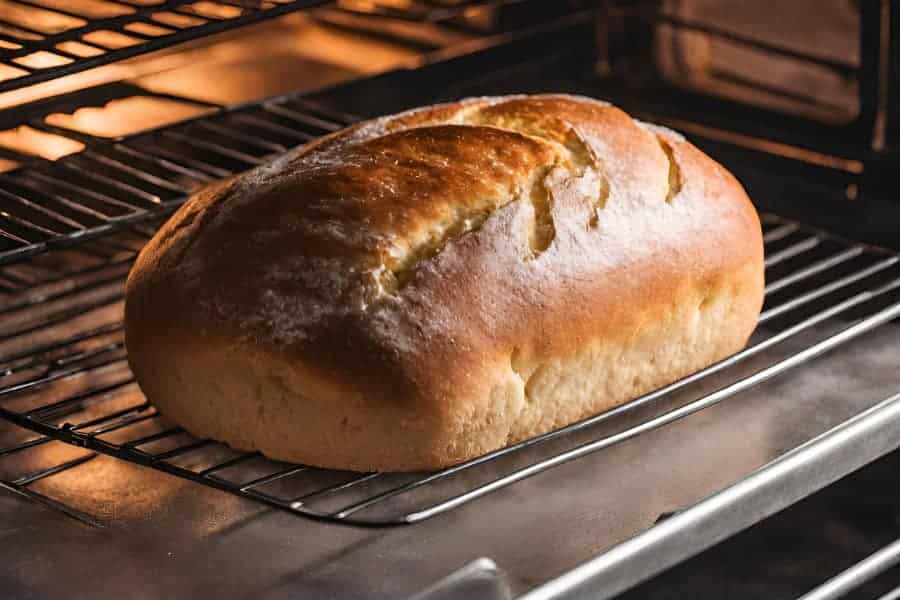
423, 288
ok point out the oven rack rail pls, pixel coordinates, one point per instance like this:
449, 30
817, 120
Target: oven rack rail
81, 36
859, 574
784, 481
84, 35
64, 375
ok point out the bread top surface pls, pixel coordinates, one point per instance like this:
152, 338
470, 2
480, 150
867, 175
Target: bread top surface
411, 256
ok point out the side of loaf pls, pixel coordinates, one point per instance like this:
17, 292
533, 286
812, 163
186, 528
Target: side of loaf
420, 289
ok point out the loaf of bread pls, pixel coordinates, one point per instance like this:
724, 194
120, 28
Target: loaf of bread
420, 289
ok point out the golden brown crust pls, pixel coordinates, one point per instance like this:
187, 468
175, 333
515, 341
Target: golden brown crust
422, 288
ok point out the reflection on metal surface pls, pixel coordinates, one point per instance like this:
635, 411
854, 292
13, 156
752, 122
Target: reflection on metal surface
291, 53
148, 29
28, 140
36, 19
213, 10
79, 49
301, 55
92, 9
17, 475
42, 60
7, 72
121, 117
763, 145
780, 483
117, 30
478, 580
177, 20
735, 50
109, 39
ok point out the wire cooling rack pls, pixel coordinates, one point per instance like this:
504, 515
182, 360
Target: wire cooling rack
65, 376
42, 40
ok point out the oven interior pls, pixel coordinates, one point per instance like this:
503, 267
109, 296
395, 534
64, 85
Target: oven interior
97, 152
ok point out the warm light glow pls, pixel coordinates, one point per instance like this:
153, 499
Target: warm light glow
9, 45
282, 55
177, 20
79, 49
35, 18
105, 487
361, 5
28, 140
350, 51
113, 72
7, 165
110, 39
121, 117
758, 67
372, 6
10, 73
147, 29
768, 146
109, 488
19, 33
210, 9
114, 490
93, 9
265, 61
42, 60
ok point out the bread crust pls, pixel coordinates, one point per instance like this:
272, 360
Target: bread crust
423, 288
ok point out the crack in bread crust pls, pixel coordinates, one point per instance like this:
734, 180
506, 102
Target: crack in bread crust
395, 277
573, 154
399, 270
543, 230
674, 170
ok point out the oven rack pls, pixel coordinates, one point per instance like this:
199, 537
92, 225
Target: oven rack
21, 485
116, 181
64, 375
108, 182
41, 40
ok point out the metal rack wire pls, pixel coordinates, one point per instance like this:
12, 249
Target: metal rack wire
21, 484
41, 40
115, 181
